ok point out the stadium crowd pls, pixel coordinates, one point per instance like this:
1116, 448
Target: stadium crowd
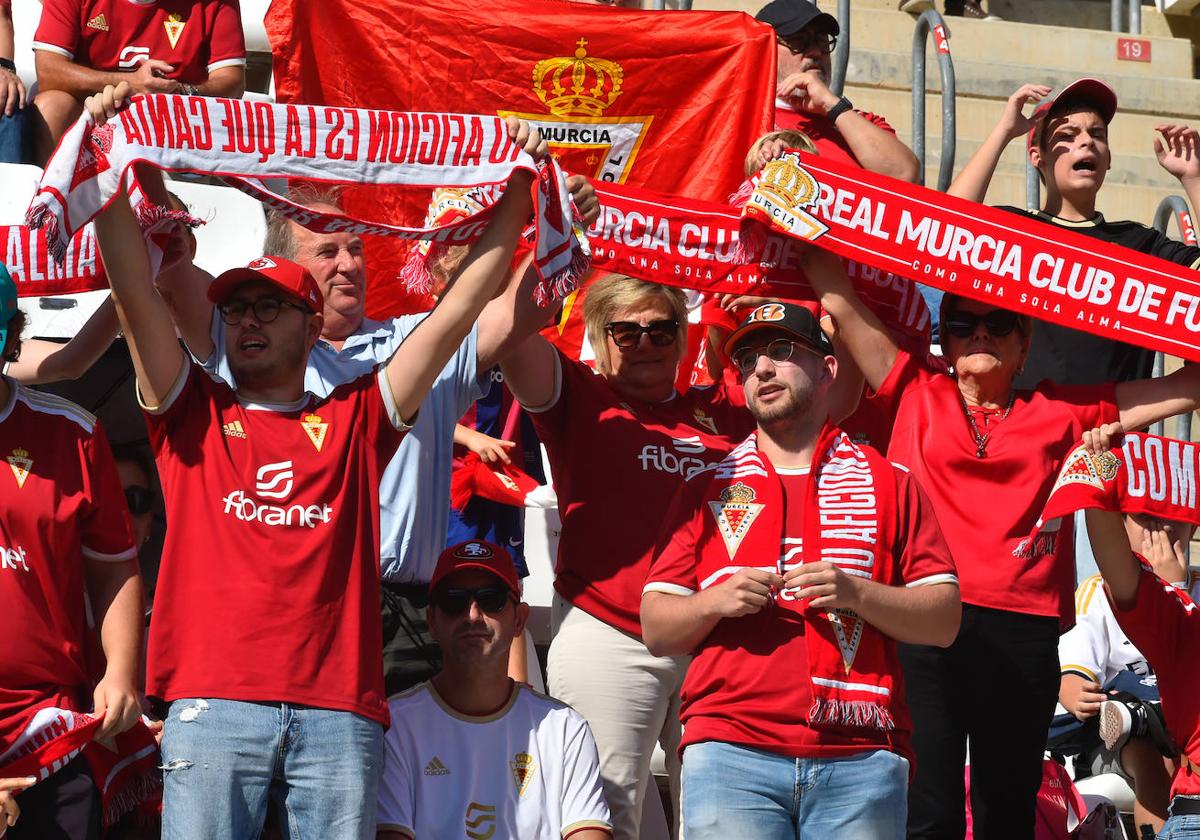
337, 650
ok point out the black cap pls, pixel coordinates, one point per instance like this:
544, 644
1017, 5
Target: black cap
788, 317
790, 16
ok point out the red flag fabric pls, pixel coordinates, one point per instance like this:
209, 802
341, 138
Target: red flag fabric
610, 88
499, 482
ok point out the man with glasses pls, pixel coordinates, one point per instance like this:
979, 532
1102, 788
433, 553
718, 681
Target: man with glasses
267, 643
790, 570
806, 37
473, 751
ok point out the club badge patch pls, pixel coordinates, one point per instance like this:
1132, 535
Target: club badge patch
523, 768
21, 463
847, 629
174, 26
316, 429
735, 513
705, 421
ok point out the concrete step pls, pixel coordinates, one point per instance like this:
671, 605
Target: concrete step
1071, 46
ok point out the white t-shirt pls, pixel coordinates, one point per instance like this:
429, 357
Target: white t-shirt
530, 771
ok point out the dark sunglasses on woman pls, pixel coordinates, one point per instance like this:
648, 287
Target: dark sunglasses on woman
139, 499
629, 333
999, 322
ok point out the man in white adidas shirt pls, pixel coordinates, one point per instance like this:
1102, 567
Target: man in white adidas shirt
472, 753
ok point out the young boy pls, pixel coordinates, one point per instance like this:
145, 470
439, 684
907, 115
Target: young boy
1068, 144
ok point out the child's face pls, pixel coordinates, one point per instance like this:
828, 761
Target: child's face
1074, 155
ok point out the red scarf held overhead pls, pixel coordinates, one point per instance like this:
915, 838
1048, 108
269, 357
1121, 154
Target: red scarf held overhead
847, 657
1145, 474
125, 776
245, 141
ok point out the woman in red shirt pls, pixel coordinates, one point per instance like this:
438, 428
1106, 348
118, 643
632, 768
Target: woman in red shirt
987, 455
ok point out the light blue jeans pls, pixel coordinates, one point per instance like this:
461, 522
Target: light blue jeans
225, 762
736, 793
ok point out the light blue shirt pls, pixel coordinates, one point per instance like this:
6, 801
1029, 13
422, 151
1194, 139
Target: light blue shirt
414, 492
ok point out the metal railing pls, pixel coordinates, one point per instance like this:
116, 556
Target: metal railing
841, 53
931, 21
1130, 8
1033, 187
1174, 207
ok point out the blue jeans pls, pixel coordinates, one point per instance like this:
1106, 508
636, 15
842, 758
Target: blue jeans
14, 137
225, 762
738, 792
1181, 827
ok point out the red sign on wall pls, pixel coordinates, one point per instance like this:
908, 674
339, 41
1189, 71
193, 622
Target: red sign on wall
1133, 49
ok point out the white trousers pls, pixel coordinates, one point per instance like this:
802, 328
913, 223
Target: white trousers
630, 700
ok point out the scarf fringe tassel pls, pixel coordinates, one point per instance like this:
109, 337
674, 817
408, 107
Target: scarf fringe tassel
859, 713
145, 787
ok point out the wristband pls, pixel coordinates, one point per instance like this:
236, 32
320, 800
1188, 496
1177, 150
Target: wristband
843, 105
7, 64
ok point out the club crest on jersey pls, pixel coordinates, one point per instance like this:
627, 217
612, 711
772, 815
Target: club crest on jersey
523, 768
21, 463
705, 421
174, 26
847, 630
1084, 467
316, 429
735, 513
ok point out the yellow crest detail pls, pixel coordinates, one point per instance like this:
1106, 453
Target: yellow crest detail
784, 180
21, 463
523, 768
735, 513
174, 26
316, 429
581, 86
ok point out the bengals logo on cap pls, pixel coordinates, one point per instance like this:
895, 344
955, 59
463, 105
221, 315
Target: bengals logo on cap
473, 551
262, 262
768, 312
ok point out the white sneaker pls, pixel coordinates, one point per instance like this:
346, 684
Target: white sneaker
1116, 724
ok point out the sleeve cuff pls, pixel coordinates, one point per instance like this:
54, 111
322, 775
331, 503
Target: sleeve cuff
557, 391
1079, 670
932, 580
667, 588
576, 827
227, 62
407, 832
128, 554
172, 395
389, 403
44, 47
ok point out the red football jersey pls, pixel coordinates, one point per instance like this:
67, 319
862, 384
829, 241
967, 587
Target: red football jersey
269, 586
1164, 625
616, 464
824, 134
194, 36
987, 507
748, 683
60, 502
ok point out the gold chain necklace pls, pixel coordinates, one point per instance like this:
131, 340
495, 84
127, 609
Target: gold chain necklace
981, 441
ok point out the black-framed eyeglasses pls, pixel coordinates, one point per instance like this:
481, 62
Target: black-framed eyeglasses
999, 322
802, 42
138, 499
628, 333
265, 309
455, 601
779, 351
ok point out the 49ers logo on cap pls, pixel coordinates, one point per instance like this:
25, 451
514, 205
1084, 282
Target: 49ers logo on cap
473, 551
261, 263
768, 312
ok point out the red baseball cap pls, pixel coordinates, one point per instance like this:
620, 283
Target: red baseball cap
477, 554
291, 277
1094, 92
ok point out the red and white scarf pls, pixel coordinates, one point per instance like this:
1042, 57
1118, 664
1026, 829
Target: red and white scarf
244, 141
849, 502
1145, 474
125, 774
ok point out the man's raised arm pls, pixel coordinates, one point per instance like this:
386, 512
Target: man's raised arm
157, 355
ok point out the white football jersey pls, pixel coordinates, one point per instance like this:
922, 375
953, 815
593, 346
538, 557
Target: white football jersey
530, 771
1096, 648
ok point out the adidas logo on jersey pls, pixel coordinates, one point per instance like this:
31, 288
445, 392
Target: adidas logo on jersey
436, 768
234, 429
99, 23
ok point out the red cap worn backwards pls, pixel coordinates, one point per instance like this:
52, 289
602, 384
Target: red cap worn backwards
477, 554
287, 275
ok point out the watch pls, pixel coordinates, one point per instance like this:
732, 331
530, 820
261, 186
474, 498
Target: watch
7, 64
843, 105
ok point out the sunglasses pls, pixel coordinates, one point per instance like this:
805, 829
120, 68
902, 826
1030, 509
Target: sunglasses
266, 310
138, 499
781, 350
628, 333
453, 601
802, 42
999, 322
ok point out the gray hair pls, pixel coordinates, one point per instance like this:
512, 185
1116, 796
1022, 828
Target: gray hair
280, 240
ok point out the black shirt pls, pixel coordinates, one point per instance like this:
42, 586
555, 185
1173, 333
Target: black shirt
1071, 357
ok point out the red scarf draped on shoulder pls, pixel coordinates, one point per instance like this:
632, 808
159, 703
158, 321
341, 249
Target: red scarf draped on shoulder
850, 492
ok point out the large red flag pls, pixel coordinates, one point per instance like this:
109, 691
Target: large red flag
666, 100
